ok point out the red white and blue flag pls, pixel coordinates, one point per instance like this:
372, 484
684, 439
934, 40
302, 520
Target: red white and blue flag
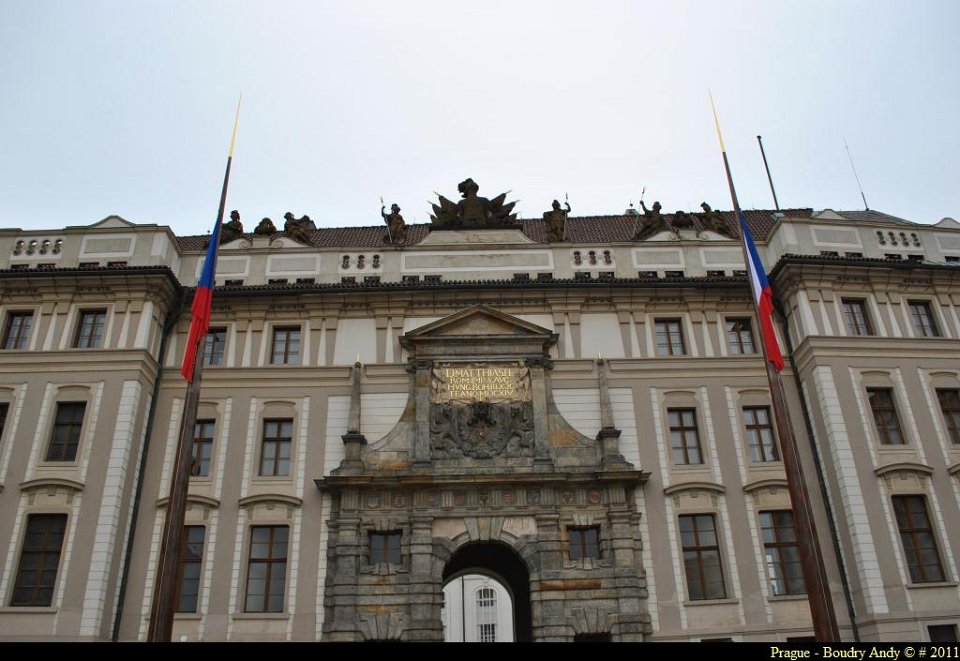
202, 303
763, 296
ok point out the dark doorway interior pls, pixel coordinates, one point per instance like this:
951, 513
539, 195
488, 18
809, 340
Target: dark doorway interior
500, 561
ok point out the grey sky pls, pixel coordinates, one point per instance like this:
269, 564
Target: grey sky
125, 107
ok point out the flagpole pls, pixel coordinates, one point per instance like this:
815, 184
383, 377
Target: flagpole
165, 586
815, 578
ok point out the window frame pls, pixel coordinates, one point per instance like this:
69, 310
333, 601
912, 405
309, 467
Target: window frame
861, 326
580, 545
85, 340
186, 559
43, 552
882, 424
913, 552
700, 550
19, 333
778, 572
664, 328
68, 424
269, 562
755, 429
388, 550
287, 357
735, 339
279, 440
212, 348
683, 429
925, 324
951, 416
201, 442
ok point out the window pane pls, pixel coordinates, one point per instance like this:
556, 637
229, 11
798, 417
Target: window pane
43, 541
18, 330
701, 554
65, 436
919, 542
950, 407
267, 569
885, 416
191, 558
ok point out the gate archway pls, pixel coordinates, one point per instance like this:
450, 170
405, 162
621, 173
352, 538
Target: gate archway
486, 595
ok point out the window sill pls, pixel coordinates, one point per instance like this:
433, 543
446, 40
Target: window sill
787, 597
711, 602
261, 616
933, 584
188, 616
37, 610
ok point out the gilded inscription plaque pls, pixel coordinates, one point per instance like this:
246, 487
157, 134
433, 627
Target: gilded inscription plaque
480, 382
481, 410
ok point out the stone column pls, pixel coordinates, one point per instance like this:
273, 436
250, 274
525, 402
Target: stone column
353, 440
421, 440
609, 435
538, 393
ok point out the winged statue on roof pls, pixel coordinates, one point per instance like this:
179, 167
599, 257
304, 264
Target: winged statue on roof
473, 210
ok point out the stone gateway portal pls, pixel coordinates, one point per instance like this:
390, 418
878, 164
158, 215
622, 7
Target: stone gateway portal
482, 459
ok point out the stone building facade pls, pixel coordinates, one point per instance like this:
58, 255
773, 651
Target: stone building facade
576, 411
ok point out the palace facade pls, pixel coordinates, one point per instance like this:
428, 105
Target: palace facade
482, 429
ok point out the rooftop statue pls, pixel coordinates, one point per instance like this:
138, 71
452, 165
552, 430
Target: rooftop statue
296, 229
231, 230
653, 222
556, 220
713, 221
473, 210
396, 227
265, 228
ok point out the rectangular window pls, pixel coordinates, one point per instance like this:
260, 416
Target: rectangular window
66, 431
385, 548
4, 407
213, 345
950, 406
783, 554
39, 560
763, 444
740, 337
684, 437
188, 573
885, 416
921, 315
286, 345
277, 437
943, 633
919, 544
90, 329
855, 314
267, 569
669, 338
701, 556
17, 333
202, 448
584, 542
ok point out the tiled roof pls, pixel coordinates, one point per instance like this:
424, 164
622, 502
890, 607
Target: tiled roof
873, 216
582, 229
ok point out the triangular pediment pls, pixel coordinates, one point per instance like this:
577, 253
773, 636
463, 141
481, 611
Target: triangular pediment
113, 222
479, 320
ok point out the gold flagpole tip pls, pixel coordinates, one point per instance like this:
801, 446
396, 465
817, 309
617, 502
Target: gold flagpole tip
716, 122
236, 120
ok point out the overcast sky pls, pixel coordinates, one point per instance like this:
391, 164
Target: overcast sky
125, 107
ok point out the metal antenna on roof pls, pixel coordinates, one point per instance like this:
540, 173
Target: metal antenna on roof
859, 187
769, 178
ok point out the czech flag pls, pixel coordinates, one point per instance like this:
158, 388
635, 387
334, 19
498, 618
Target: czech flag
763, 296
202, 303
